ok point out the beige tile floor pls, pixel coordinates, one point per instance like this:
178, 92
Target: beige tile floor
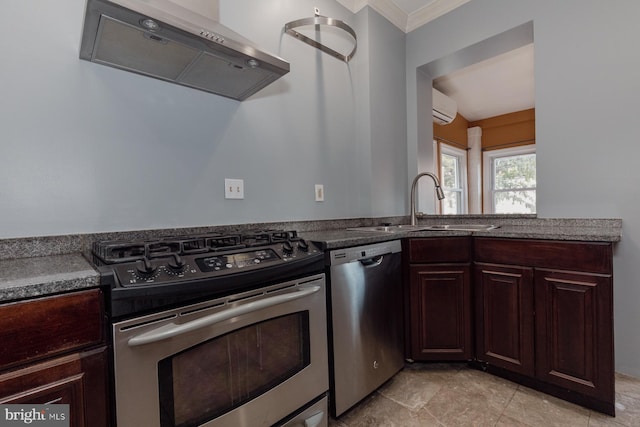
451, 395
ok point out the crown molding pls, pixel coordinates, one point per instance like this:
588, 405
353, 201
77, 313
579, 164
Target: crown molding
389, 10
431, 12
353, 5
398, 17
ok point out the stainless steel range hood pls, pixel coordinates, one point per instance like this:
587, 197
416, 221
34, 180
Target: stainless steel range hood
180, 42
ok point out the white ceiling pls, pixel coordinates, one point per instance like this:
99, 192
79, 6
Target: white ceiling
499, 85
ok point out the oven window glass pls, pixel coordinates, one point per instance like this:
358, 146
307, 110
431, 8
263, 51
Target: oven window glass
214, 377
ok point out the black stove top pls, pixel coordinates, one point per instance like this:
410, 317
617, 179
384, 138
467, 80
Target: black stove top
151, 274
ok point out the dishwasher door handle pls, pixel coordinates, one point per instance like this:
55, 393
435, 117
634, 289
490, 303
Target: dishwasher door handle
372, 262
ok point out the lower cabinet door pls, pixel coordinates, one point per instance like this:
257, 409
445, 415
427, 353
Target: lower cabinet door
79, 380
440, 306
574, 324
504, 317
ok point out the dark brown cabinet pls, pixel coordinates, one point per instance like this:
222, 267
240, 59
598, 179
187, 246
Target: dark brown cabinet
504, 321
539, 312
54, 352
544, 311
439, 299
574, 332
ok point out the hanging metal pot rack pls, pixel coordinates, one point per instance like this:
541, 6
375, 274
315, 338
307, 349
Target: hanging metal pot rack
318, 19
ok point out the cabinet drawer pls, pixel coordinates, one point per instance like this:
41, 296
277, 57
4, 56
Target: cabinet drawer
78, 380
35, 329
588, 257
439, 250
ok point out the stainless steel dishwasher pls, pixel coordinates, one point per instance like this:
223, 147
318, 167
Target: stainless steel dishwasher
366, 341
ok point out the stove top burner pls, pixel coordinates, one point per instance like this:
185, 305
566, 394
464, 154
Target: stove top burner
157, 271
118, 252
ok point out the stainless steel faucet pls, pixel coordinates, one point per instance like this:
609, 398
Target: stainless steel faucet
439, 192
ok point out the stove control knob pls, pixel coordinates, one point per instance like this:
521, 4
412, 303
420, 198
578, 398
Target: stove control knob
177, 264
303, 245
145, 269
287, 248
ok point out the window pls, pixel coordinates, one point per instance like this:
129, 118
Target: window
453, 177
510, 180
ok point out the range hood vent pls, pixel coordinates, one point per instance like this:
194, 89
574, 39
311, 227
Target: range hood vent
164, 40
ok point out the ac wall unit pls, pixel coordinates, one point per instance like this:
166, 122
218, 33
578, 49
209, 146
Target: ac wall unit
444, 108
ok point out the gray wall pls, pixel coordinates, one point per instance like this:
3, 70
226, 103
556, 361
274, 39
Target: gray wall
387, 117
586, 75
89, 148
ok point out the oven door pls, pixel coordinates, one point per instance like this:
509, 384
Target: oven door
249, 359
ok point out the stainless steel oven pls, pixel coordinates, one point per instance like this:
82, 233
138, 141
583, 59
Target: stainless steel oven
251, 353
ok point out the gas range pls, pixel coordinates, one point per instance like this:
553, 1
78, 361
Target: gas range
144, 276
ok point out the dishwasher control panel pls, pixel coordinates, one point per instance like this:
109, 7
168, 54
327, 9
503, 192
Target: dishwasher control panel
357, 253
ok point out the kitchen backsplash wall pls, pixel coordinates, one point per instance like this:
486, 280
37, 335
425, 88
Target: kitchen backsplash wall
88, 148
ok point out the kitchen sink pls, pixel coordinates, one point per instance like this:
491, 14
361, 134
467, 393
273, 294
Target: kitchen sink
391, 228
438, 227
463, 227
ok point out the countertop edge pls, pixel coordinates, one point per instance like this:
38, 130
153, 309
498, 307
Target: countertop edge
337, 239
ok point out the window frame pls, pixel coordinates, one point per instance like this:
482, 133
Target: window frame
463, 176
488, 174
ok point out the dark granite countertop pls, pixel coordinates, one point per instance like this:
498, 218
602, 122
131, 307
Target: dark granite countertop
556, 232
563, 230
32, 277
34, 266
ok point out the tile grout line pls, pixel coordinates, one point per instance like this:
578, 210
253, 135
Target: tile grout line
507, 405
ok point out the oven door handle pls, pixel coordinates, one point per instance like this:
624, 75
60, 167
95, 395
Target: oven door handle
171, 330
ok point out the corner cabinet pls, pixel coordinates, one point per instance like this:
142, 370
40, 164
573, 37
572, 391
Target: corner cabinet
439, 299
504, 319
574, 332
544, 312
54, 352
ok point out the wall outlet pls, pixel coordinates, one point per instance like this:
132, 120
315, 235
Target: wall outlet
319, 193
233, 188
